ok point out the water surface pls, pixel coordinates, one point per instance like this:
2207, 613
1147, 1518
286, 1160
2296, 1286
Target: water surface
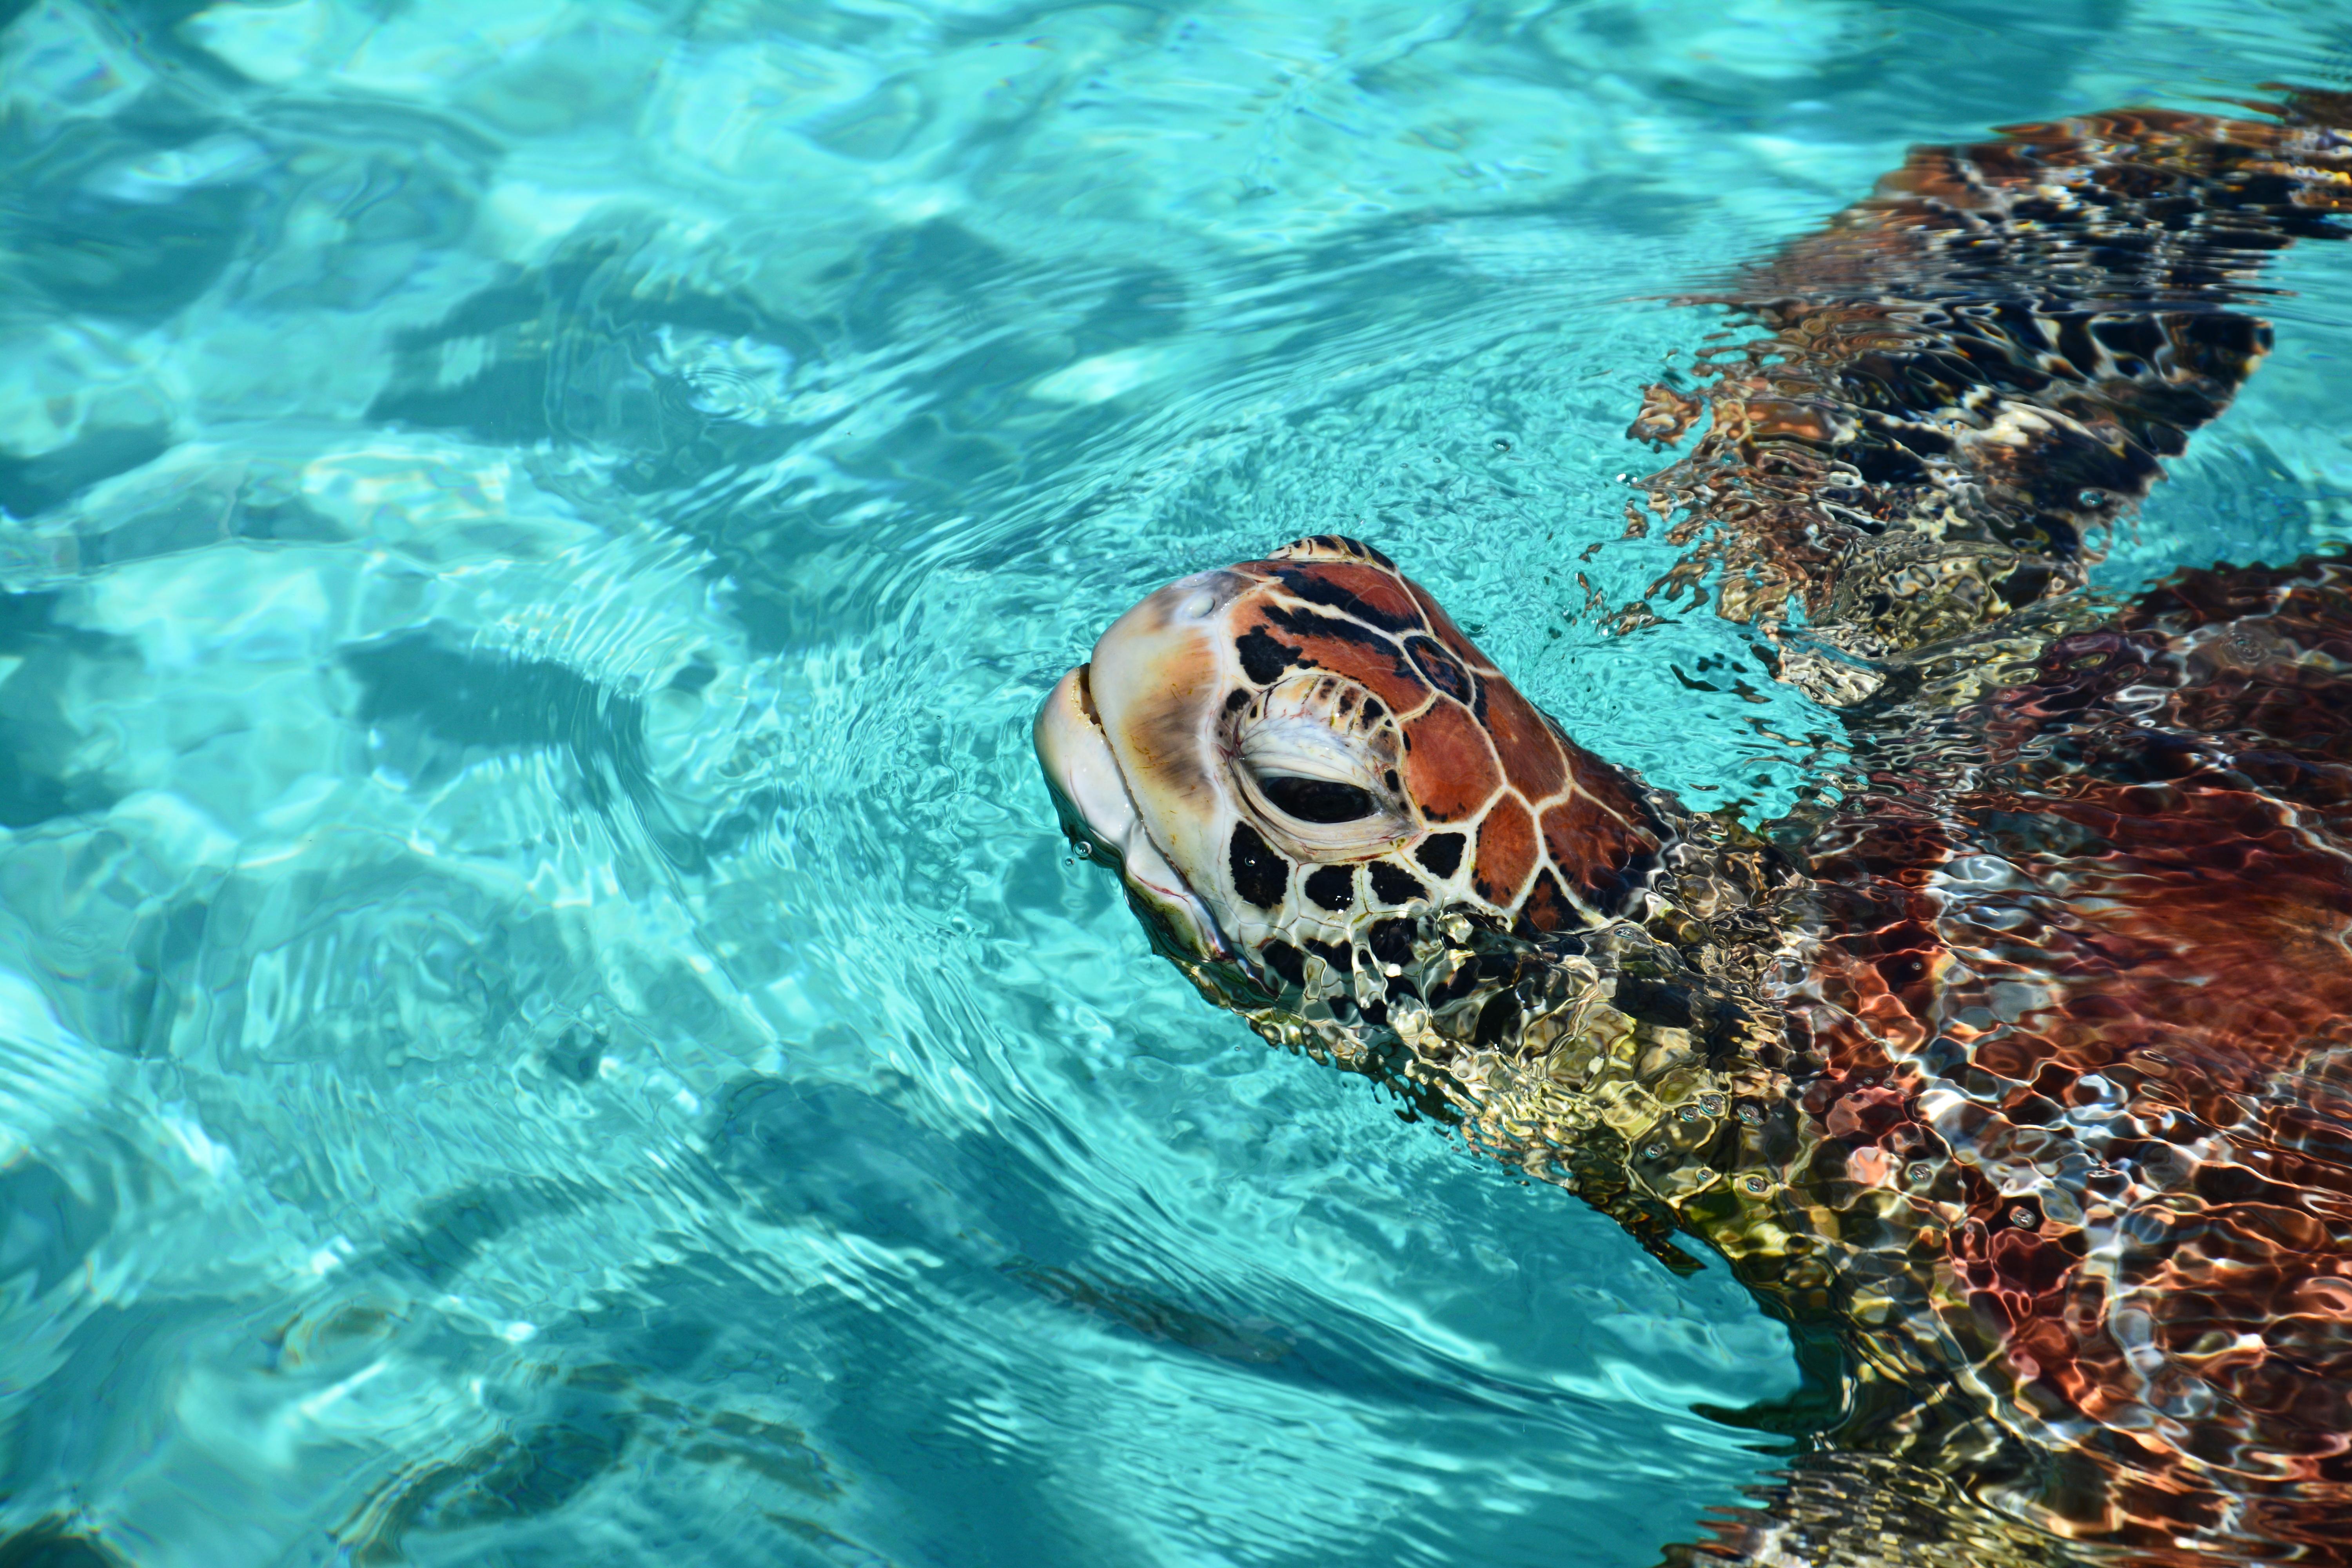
543, 1016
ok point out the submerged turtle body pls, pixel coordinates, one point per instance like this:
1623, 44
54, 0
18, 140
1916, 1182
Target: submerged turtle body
2078, 1022
2018, 1083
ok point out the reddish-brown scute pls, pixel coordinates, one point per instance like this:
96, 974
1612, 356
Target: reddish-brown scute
1374, 663
1449, 766
1442, 626
1506, 852
1606, 784
1531, 758
1382, 592
1587, 844
1547, 909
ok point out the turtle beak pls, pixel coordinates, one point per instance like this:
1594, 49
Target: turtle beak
1099, 815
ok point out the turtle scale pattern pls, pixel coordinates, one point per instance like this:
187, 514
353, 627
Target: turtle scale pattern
1503, 979
2026, 1091
2081, 1016
1965, 381
1529, 826
2019, 1082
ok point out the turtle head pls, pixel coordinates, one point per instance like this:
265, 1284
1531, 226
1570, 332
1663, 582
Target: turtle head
1297, 763
1344, 824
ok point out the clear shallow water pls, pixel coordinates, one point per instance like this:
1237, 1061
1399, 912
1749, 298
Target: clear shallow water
542, 1015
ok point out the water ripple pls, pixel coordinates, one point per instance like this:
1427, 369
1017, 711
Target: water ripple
543, 1013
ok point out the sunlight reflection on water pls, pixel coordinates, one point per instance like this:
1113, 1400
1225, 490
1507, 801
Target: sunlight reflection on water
542, 1014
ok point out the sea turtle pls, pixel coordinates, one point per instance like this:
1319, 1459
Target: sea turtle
2017, 1081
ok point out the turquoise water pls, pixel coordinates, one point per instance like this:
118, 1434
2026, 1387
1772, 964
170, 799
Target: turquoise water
543, 1015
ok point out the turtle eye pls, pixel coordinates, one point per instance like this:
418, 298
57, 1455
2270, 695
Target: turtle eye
1314, 800
1315, 764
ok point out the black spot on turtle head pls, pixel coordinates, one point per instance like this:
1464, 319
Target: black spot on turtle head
1393, 884
1238, 698
1262, 658
1373, 712
1441, 852
1392, 942
1341, 957
1332, 887
1260, 873
1286, 961
1439, 668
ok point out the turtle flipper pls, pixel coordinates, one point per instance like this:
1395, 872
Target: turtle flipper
1963, 381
